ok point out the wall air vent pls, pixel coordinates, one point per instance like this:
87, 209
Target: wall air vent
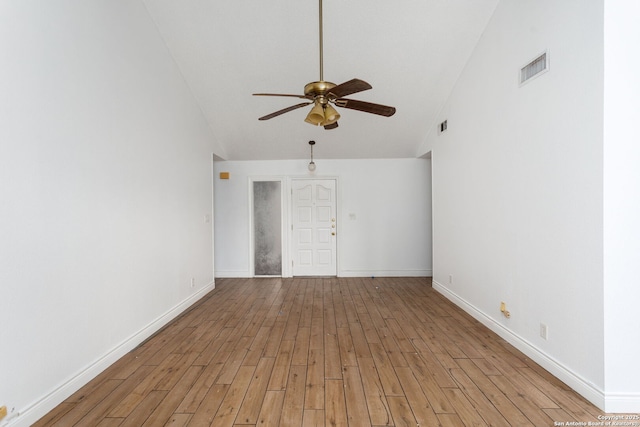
535, 68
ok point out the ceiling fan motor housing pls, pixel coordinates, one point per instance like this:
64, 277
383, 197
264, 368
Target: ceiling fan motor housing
320, 88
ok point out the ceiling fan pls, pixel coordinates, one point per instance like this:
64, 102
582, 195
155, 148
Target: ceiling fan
322, 94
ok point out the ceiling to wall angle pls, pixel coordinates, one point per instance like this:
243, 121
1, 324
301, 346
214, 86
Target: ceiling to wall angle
411, 55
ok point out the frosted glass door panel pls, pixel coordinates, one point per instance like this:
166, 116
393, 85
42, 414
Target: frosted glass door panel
267, 231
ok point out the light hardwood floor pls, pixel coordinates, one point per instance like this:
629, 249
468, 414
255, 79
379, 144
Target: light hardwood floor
323, 352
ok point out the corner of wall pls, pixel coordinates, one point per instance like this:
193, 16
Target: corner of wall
591, 392
29, 415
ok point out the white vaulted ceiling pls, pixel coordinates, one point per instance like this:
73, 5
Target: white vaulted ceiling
410, 51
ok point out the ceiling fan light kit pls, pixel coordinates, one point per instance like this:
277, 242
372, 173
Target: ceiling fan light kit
316, 115
330, 115
322, 94
322, 114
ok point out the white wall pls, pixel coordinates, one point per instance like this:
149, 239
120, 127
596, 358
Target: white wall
391, 201
622, 206
105, 179
518, 187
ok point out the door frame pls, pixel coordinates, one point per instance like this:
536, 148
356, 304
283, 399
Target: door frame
286, 209
290, 217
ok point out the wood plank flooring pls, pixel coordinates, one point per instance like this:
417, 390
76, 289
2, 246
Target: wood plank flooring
323, 352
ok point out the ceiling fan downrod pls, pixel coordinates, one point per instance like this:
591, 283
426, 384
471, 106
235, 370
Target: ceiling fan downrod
321, 44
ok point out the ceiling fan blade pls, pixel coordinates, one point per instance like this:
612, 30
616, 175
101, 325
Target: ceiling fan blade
367, 107
280, 94
284, 110
348, 88
331, 126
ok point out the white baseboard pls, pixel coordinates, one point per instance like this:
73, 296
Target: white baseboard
342, 273
385, 273
27, 416
589, 391
622, 403
233, 274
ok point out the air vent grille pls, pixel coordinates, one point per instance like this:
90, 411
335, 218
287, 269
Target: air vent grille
534, 68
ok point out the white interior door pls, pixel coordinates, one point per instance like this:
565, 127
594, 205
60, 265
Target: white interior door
314, 227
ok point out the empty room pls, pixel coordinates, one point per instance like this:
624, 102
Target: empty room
319, 212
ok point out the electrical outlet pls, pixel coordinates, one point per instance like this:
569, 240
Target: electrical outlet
544, 331
450, 278
193, 282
